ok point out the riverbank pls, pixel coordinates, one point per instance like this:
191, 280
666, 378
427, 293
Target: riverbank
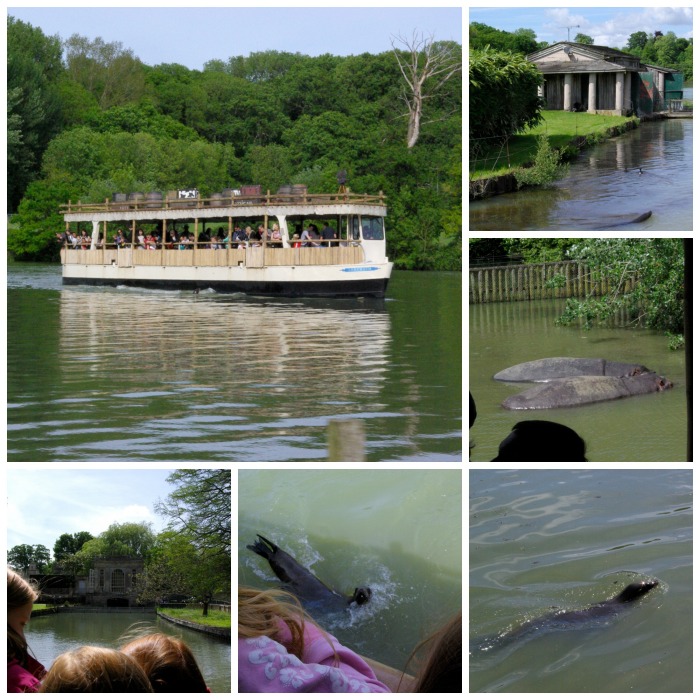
222, 632
568, 132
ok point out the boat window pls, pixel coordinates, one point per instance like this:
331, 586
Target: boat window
350, 227
372, 228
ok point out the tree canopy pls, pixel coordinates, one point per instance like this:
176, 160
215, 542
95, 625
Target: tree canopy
102, 122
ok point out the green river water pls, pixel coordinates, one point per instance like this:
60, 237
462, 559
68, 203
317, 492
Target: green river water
541, 539
101, 374
398, 531
51, 635
649, 428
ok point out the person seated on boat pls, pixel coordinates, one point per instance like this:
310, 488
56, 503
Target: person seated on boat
119, 239
254, 236
281, 650
314, 235
276, 236
182, 244
205, 237
296, 241
329, 234
150, 242
95, 670
307, 238
141, 239
84, 240
168, 662
172, 239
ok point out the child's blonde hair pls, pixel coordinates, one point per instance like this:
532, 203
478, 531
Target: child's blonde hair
19, 593
260, 612
95, 670
168, 663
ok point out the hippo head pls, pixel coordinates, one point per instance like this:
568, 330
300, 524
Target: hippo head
662, 384
361, 595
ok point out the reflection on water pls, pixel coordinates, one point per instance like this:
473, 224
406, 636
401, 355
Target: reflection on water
604, 189
126, 374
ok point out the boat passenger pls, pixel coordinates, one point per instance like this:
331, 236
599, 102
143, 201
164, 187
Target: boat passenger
95, 670
141, 239
24, 672
296, 241
119, 240
280, 650
168, 662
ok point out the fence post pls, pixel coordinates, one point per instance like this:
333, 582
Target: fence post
346, 440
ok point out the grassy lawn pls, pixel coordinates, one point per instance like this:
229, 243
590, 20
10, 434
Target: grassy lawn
561, 127
215, 618
40, 606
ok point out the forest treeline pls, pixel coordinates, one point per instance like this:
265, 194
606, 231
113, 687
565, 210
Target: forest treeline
87, 119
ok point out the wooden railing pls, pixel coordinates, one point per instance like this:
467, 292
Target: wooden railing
265, 256
219, 202
526, 282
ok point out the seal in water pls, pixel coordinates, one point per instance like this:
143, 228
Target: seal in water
301, 582
567, 619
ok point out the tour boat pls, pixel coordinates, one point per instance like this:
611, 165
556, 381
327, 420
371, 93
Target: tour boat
348, 260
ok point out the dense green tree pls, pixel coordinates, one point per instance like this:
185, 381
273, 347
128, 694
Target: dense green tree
67, 544
33, 109
38, 220
21, 556
111, 73
583, 39
481, 36
200, 507
636, 43
497, 78
260, 66
656, 267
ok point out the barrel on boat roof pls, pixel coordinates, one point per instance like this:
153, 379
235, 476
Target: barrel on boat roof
171, 199
119, 199
154, 200
136, 199
216, 199
228, 194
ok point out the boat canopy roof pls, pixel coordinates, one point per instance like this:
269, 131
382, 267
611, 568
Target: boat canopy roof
154, 206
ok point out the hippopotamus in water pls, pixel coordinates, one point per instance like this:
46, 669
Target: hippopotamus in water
559, 367
577, 391
562, 619
301, 582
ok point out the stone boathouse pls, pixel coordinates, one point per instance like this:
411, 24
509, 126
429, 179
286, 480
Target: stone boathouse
601, 80
110, 582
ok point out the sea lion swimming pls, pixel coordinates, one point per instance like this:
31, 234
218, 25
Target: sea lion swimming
301, 582
563, 619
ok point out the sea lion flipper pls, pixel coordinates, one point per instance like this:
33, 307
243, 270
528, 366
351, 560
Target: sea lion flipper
269, 550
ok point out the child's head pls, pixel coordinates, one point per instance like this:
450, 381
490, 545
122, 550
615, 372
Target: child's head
95, 670
20, 599
168, 663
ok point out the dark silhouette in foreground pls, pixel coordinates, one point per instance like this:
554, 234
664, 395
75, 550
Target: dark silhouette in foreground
541, 441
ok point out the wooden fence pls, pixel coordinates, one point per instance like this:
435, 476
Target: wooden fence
527, 282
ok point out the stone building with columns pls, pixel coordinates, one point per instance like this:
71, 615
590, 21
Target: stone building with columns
110, 582
599, 80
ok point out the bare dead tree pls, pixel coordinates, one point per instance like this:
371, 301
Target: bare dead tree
422, 60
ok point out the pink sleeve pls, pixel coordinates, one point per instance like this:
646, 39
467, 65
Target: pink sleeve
266, 666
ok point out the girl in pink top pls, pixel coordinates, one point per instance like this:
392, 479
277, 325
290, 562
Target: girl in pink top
281, 652
24, 673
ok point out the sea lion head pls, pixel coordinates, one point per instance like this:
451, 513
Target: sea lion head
636, 590
362, 595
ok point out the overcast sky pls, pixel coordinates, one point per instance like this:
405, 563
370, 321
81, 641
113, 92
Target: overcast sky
192, 36
608, 26
42, 504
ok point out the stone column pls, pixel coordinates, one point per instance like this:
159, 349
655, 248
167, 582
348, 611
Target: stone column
628, 92
567, 91
591, 92
619, 90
